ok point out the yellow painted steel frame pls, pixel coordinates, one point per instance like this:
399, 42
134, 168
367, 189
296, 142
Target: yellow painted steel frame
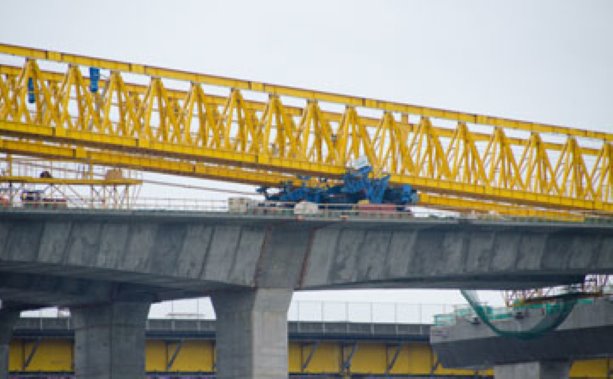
323, 357
458, 160
70, 181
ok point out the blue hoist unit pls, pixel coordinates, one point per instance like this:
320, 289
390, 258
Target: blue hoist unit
356, 186
94, 79
31, 93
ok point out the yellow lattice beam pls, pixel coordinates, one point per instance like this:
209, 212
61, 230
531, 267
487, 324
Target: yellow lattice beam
354, 101
70, 181
145, 163
240, 137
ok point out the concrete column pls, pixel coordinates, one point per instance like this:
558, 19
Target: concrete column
8, 318
252, 333
534, 370
110, 340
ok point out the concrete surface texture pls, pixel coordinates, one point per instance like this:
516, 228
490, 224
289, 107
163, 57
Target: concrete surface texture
110, 340
8, 318
182, 255
252, 333
586, 333
533, 370
101, 262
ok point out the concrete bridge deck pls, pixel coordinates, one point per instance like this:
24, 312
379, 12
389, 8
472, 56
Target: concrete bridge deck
173, 253
108, 266
586, 333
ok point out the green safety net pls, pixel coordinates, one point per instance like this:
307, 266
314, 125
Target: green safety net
554, 314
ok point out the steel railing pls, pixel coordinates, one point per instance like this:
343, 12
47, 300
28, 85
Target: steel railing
270, 208
299, 311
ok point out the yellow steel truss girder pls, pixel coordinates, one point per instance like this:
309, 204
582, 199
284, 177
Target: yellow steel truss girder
138, 146
354, 101
513, 196
166, 152
147, 163
468, 205
260, 135
160, 165
70, 181
55, 77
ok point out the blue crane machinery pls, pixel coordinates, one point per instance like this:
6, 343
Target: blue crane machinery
357, 185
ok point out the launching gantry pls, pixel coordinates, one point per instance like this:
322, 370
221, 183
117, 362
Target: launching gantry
94, 111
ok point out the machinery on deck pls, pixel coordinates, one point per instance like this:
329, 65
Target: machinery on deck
38, 199
357, 186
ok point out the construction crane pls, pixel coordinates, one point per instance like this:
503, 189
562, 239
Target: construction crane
92, 111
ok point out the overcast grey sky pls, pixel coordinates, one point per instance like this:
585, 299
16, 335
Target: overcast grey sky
548, 61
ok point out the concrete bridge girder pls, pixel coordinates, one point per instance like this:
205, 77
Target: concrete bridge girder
585, 334
214, 252
54, 290
251, 265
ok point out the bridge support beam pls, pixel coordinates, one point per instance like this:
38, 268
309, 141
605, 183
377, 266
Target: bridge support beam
8, 318
252, 333
533, 370
110, 340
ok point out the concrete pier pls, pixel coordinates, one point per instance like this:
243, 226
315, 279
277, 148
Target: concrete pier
252, 333
533, 370
8, 318
250, 264
110, 340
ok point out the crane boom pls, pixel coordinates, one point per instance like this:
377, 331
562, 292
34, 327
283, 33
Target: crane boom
251, 132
